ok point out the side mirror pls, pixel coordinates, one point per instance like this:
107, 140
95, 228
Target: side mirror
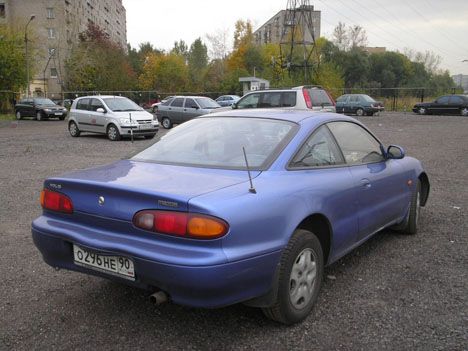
395, 152
101, 110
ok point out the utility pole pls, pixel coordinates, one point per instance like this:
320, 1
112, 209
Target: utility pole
27, 54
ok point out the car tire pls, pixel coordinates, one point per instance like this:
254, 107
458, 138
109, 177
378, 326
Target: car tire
150, 136
370, 113
464, 111
422, 110
300, 278
73, 129
113, 133
410, 225
166, 123
18, 115
39, 116
360, 112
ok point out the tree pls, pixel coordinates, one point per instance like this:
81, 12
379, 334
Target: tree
181, 49
243, 34
218, 44
165, 73
340, 36
348, 38
357, 37
197, 63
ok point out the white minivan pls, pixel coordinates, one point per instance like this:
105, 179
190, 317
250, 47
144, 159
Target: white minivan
115, 116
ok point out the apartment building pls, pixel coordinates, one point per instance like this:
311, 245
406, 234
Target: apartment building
55, 30
273, 30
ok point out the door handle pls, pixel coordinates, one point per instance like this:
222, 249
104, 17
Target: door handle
185, 109
170, 108
366, 183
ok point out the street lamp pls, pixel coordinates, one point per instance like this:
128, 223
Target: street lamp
27, 57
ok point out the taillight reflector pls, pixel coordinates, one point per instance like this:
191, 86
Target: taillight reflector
192, 225
54, 201
307, 98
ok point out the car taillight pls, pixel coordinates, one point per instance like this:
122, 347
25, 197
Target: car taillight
54, 201
191, 225
307, 98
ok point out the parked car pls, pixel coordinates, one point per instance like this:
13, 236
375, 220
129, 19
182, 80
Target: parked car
227, 100
180, 109
304, 97
154, 106
115, 116
448, 104
241, 206
358, 104
40, 108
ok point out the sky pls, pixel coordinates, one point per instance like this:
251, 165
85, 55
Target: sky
440, 26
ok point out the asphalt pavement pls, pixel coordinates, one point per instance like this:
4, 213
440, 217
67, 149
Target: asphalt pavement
395, 292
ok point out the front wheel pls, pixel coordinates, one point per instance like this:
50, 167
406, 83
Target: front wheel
464, 111
39, 116
300, 278
18, 115
113, 133
166, 123
410, 225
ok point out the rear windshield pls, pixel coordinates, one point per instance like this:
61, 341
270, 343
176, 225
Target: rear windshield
207, 103
121, 104
217, 142
367, 98
319, 97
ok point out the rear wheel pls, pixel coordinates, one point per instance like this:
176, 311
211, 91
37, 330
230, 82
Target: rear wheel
464, 111
360, 112
113, 133
370, 113
73, 129
166, 123
422, 111
18, 115
39, 115
300, 278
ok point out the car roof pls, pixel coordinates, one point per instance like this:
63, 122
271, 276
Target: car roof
100, 96
296, 116
192, 97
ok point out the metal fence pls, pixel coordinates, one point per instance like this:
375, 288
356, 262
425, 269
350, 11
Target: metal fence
394, 99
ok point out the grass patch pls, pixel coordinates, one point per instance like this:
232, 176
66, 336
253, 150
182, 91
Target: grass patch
7, 117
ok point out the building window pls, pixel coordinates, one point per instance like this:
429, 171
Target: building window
53, 73
2, 10
50, 12
51, 33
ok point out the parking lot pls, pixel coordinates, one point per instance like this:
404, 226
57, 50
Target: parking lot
395, 292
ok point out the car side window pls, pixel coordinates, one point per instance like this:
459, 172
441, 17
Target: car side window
354, 98
288, 99
342, 99
443, 100
82, 104
178, 102
357, 144
456, 100
95, 104
320, 149
250, 101
272, 99
190, 103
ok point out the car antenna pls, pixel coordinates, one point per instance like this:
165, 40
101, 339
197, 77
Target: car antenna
131, 126
252, 189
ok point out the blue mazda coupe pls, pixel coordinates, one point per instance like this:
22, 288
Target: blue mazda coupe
240, 206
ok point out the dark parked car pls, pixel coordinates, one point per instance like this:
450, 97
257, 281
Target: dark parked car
358, 104
448, 104
227, 100
40, 108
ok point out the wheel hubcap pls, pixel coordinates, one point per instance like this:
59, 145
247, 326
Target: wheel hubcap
418, 208
73, 129
112, 133
302, 279
465, 112
166, 123
422, 111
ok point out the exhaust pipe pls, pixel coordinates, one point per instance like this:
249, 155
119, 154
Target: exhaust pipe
158, 297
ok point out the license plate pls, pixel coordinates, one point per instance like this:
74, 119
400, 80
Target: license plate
115, 265
146, 126
58, 113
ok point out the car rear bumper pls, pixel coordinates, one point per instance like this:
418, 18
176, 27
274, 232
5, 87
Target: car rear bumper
208, 286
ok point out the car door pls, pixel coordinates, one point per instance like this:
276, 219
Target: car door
383, 192
440, 106
321, 165
341, 104
176, 109
97, 119
28, 108
352, 104
81, 114
191, 110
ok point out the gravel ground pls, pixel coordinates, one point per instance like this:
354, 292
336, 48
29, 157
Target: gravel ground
393, 293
